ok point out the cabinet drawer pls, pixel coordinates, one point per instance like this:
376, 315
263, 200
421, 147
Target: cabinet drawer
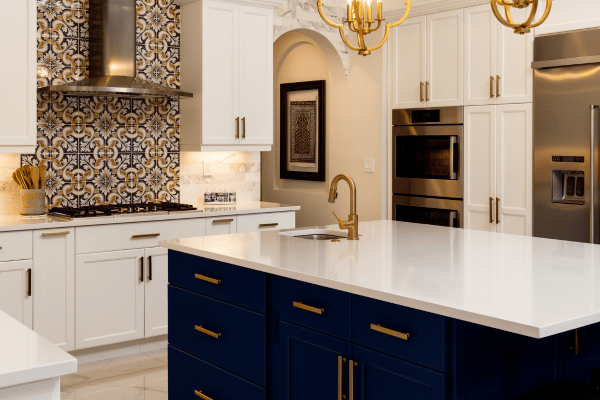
221, 225
188, 374
16, 246
97, 239
316, 307
237, 285
425, 345
229, 336
266, 222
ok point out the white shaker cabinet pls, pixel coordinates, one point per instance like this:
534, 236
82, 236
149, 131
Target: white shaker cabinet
18, 91
155, 293
54, 286
498, 165
221, 226
16, 292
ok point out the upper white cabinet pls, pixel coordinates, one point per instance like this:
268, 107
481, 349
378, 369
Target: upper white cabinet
227, 62
497, 61
427, 61
18, 92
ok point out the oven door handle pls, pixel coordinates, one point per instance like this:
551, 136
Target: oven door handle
454, 157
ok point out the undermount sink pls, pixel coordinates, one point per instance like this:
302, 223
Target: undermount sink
316, 234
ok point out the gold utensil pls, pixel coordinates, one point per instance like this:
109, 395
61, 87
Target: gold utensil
27, 175
35, 177
16, 179
21, 175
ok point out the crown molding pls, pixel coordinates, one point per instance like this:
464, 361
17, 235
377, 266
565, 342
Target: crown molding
432, 7
256, 3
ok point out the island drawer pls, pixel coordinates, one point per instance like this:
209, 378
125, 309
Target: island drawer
16, 246
266, 222
316, 307
231, 337
188, 375
381, 326
241, 286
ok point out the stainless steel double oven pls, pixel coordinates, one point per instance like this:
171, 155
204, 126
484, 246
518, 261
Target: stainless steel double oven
428, 166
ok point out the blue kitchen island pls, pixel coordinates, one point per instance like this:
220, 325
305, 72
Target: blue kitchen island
406, 312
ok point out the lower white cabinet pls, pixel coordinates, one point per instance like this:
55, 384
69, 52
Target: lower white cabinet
109, 297
15, 291
156, 282
221, 225
54, 286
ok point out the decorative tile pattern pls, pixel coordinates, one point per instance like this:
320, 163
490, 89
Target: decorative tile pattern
107, 150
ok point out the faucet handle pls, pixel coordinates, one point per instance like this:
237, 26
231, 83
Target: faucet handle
338, 218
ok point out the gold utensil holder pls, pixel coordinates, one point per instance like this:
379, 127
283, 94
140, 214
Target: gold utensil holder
33, 201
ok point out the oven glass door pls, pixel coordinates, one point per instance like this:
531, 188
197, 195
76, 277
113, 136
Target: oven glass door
427, 157
429, 211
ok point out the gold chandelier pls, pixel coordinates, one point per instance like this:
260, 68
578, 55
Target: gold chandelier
526, 26
360, 21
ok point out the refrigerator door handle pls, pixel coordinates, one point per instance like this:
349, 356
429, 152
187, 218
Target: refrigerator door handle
593, 177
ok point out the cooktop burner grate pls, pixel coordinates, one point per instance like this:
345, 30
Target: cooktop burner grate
118, 209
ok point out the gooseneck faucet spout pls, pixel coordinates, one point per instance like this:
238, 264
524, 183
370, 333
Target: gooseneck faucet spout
352, 223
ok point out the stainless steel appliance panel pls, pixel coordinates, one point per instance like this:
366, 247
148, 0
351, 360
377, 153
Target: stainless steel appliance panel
432, 116
427, 210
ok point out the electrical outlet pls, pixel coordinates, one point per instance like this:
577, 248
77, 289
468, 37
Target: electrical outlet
369, 165
207, 169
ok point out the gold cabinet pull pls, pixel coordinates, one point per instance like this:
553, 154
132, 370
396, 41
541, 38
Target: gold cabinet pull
351, 378
497, 211
206, 331
141, 269
497, 85
222, 221
237, 128
201, 395
390, 332
29, 282
421, 92
207, 279
491, 208
427, 91
0, 247
145, 236
50, 234
268, 225
340, 365
309, 308
491, 87
244, 128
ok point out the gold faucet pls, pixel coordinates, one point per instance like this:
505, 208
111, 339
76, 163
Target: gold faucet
352, 223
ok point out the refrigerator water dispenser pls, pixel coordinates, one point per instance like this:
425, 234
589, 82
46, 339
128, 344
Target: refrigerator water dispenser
568, 187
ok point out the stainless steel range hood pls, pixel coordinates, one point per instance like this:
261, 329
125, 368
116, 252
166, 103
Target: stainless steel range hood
112, 63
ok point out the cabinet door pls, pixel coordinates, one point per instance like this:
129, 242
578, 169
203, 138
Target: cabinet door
14, 297
256, 75
445, 58
515, 55
54, 286
221, 226
481, 62
220, 76
378, 376
312, 364
480, 169
109, 301
18, 92
409, 63
514, 170
156, 278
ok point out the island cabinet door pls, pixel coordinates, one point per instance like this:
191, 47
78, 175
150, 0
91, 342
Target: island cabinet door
313, 365
377, 376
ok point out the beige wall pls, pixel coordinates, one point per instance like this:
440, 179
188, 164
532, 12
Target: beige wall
353, 129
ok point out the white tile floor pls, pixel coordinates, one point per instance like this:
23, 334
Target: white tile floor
140, 376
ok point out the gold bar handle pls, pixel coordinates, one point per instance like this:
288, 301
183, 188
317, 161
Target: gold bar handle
207, 279
421, 92
309, 308
351, 378
237, 128
222, 221
201, 395
497, 211
390, 332
145, 236
491, 208
340, 365
244, 128
268, 225
491, 87
206, 331
50, 234
0, 247
427, 91
497, 85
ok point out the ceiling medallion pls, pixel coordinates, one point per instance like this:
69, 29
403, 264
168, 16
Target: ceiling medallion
360, 21
526, 26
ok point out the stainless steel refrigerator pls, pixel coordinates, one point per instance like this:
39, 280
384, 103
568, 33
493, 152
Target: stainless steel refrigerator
566, 137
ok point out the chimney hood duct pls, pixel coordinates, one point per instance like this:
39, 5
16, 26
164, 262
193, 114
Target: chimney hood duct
112, 63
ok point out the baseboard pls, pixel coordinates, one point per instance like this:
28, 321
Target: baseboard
120, 349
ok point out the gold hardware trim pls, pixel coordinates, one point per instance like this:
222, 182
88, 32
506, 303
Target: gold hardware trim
390, 332
0, 247
309, 308
207, 279
491, 87
427, 91
575, 346
421, 92
50, 234
497, 211
351, 378
491, 208
145, 236
497, 85
141, 269
268, 225
29, 283
244, 128
526, 26
222, 221
206, 331
201, 395
339, 377
237, 128
149, 268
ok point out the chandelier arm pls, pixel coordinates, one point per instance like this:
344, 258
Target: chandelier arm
531, 15
385, 36
401, 20
545, 15
499, 17
509, 16
320, 8
345, 40
505, 3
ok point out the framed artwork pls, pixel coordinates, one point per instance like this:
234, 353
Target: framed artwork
302, 131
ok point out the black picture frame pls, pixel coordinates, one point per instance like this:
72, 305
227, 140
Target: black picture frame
284, 148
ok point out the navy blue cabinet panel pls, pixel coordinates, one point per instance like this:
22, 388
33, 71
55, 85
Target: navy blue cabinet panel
188, 375
240, 345
310, 362
381, 377
425, 345
579, 367
237, 285
334, 306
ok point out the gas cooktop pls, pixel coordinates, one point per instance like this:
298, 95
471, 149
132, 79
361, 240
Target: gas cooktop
118, 209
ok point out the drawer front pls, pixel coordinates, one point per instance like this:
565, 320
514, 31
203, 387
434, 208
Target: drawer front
316, 307
221, 225
228, 336
97, 239
374, 324
188, 375
237, 285
16, 246
266, 222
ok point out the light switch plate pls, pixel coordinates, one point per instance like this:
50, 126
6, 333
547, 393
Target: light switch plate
207, 169
369, 165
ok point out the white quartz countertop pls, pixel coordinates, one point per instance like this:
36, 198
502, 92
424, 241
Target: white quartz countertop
530, 286
19, 223
27, 357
